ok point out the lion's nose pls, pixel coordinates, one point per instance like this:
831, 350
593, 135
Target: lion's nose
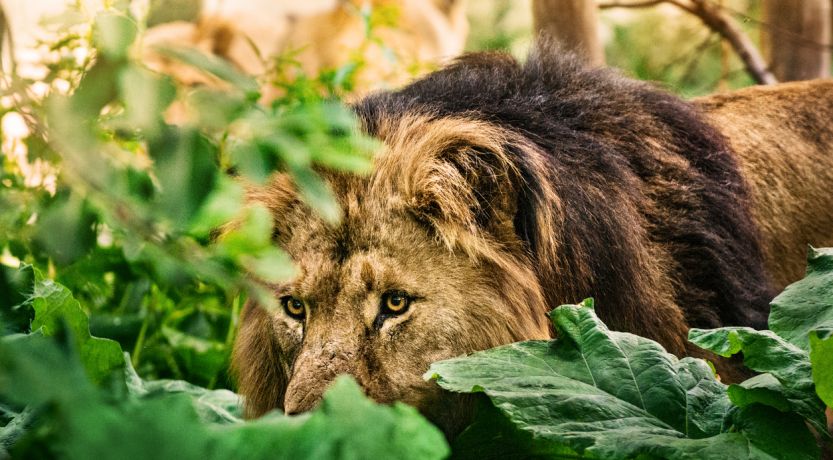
317, 366
298, 401
311, 378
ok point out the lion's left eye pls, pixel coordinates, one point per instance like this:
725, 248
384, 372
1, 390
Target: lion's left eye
395, 303
293, 307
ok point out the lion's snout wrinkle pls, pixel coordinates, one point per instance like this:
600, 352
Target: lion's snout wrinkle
299, 400
317, 366
503, 190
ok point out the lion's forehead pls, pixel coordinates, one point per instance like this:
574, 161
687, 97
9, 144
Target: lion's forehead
407, 259
330, 275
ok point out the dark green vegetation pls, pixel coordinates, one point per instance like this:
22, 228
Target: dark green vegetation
120, 257
607, 394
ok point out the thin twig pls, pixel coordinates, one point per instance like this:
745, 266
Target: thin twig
632, 4
719, 21
7, 38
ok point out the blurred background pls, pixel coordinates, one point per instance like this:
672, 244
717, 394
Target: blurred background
692, 46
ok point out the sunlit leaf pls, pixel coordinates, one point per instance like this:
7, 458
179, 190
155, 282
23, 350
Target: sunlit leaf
114, 33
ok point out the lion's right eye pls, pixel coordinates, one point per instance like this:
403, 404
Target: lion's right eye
395, 303
293, 307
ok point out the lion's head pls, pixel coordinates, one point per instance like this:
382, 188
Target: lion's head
424, 265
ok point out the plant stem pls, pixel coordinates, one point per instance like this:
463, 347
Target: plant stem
140, 341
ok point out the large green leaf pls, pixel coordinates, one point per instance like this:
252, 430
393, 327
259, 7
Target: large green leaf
176, 420
114, 32
65, 229
806, 305
787, 379
821, 358
615, 395
347, 425
186, 172
55, 307
214, 406
803, 315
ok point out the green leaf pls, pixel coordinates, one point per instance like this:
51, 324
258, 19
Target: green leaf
65, 229
216, 109
252, 233
346, 425
212, 406
31, 364
159, 420
271, 265
317, 194
790, 382
186, 169
806, 305
821, 358
145, 97
215, 66
55, 307
220, 207
201, 357
614, 395
113, 34
493, 435
15, 285
163, 11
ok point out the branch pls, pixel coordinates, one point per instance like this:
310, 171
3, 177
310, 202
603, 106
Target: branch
715, 19
632, 4
7, 38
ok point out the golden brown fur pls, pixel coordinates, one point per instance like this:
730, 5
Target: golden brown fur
783, 136
502, 191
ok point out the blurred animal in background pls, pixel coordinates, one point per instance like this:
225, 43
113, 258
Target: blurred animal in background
374, 44
384, 43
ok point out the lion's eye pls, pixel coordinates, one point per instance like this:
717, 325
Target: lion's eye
293, 307
395, 303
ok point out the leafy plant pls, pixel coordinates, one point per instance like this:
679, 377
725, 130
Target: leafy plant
66, 415
104, 195
604, 394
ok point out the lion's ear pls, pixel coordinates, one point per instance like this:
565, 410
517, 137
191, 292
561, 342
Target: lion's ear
455, 174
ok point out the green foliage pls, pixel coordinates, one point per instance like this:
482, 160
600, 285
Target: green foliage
785, 382
128, 220
821, 359
55, 308
597, 393
803, 315
605, 394
807, 305
173, 419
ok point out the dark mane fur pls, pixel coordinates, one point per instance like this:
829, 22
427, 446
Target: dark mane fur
632, 165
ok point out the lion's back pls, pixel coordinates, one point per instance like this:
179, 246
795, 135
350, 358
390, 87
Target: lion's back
783, 138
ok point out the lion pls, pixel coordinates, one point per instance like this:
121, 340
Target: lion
503, 190
319, 36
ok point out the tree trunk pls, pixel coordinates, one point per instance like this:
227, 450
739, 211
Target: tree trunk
571, 23
797, 37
